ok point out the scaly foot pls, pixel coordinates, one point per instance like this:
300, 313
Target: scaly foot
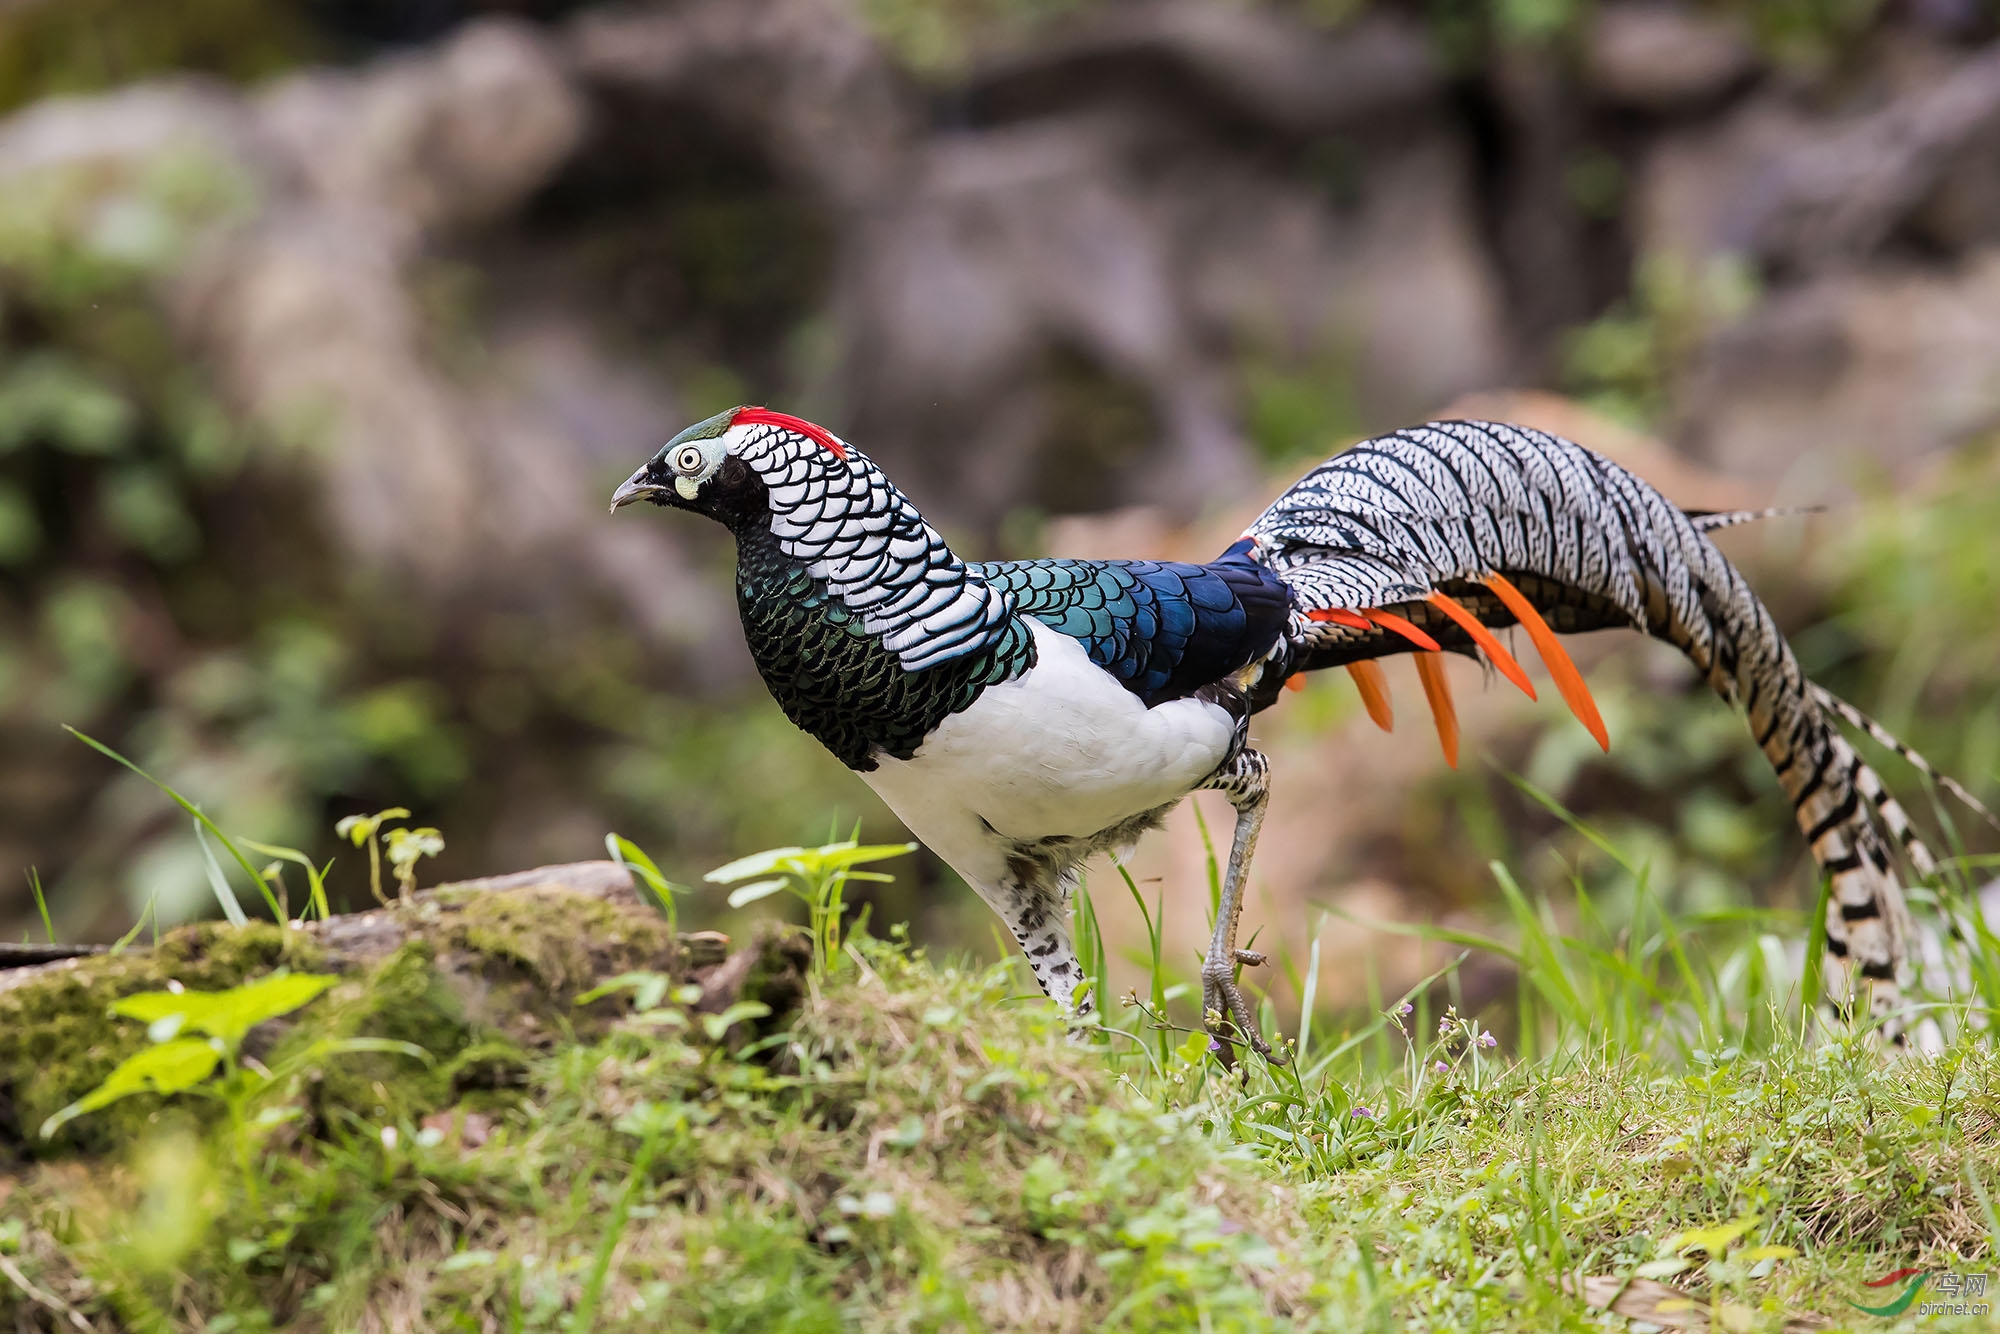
1227, 1014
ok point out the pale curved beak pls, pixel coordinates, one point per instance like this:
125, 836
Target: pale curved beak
635, 488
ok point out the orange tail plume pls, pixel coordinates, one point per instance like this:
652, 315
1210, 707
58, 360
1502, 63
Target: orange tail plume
1389, 620
1496, 652
1437, 690
1374, 688
1568, 680
1336, 616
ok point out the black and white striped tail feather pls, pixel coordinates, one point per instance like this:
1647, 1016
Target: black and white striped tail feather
1708, 521
1860, 721
1453, 501
1927, 953
1868, 928
1841, 805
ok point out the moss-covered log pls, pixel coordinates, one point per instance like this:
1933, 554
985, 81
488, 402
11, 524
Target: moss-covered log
478, 974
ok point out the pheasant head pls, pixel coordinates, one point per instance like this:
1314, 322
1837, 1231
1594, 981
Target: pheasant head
774, 478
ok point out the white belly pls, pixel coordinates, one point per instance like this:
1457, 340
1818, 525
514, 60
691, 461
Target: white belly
1063, 751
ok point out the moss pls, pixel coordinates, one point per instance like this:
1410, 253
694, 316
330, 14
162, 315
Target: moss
554, 940
482, 977
404, 998
58, 1038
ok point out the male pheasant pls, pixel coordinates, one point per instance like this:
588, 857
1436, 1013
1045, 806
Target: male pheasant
1020, 716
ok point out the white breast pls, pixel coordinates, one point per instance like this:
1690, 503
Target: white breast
1065, 750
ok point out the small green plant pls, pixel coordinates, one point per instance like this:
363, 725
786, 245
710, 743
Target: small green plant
196, 1033
651, 993
654, 886
817, 877
406, 847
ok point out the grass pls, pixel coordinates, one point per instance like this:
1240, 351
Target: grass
922, 1147
1657, 1121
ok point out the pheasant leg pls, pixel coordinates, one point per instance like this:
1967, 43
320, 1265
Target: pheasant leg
1225, 1011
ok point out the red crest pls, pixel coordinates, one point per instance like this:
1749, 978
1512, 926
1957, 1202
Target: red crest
765, 416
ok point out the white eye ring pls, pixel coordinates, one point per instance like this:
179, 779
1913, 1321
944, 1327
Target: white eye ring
688, 459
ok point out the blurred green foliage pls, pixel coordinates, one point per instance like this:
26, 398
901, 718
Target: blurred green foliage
938, 37
941, 37
1299, 408
1626, 362
1807, 37
71, 46
131, 506
1917, 622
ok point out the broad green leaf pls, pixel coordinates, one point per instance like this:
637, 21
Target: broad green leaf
170, 1067
757, 863
227, 1014
152, 1007
835, 855
761, 889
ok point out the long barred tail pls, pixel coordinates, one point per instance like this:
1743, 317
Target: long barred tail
1422, 539
1860, 721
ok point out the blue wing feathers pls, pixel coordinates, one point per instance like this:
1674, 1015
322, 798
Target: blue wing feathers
1164, 629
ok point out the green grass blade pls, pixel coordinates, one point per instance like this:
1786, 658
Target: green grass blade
256, 878
1309, 993
1563, 813
218, 882
316, 903
583, 1318
41, 903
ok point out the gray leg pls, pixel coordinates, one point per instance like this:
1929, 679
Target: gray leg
1246, 782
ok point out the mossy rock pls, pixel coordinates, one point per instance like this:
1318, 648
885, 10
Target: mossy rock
58, 1038
477, 974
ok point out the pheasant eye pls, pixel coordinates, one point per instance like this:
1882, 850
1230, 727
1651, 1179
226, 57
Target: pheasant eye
688, 459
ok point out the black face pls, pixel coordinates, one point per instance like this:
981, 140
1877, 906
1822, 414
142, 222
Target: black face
661, 478
732, 495
735, 495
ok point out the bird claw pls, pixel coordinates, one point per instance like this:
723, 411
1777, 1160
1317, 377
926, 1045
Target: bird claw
1228, 1017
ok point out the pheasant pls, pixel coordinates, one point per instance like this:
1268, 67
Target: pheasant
1021, 716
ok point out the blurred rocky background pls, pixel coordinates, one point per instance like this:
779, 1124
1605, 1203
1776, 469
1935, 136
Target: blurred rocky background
326, 328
